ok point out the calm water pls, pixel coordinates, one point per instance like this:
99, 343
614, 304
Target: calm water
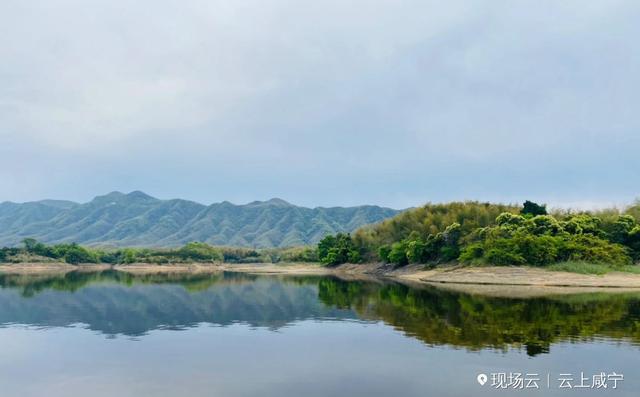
111, 334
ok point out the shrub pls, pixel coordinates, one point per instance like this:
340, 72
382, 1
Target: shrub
74, 254
543, 224
509, 220
583, 224
415, 250
503, 257
338, 249
592, 249
383, 252
398, 254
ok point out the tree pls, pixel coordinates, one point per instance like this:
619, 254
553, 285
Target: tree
200, 252
533, 209
29, 244
33, 246
338, 249
398, 253
543, 224
633, 241
621, 229
325, 245
74, 254
383, 252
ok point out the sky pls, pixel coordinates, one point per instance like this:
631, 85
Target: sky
321, 103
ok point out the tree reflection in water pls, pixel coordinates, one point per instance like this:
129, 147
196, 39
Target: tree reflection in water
121, 303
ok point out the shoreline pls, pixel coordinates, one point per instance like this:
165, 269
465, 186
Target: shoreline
455, 277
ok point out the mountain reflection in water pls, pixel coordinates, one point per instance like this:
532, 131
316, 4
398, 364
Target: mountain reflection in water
117, 303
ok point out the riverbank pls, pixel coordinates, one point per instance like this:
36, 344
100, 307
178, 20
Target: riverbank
454, 275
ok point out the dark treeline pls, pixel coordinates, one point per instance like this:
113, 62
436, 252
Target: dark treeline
484, 233
73, 253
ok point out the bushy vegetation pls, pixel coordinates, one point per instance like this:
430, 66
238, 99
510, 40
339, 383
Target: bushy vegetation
542, 240
73, 253
483, 233
426, 221
334, 250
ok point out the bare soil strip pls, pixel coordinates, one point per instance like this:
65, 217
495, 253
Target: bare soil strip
498, 281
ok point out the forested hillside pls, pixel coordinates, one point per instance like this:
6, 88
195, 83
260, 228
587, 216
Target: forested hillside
139, 220
495, 234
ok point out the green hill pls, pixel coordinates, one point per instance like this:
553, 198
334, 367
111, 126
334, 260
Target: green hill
137, 219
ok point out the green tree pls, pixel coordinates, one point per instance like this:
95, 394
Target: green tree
338, 249
326, 244
74, 254
622, 228
398, 253
383, 252
198, 251
533, 209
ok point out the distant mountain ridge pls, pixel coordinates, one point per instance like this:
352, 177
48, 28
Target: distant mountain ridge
139, 220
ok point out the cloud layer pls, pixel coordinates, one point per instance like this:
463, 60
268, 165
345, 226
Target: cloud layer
321, 103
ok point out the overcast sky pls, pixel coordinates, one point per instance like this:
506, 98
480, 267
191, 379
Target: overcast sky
321, 102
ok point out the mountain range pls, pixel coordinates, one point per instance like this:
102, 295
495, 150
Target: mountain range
139, 220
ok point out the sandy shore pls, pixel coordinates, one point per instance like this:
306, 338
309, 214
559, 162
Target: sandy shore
521, 276
512, 281
48, 268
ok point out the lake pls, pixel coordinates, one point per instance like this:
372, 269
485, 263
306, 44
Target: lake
232, 334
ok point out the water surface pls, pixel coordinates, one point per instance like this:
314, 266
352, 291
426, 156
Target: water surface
228, 334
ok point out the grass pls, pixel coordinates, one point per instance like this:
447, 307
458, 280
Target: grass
592, 268
630, 269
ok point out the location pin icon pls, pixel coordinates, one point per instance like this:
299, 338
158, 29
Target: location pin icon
482, 379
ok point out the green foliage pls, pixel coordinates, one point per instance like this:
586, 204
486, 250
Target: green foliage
191, 252
338, 249
509, 220
325, 245
32, 246
200, 252
398, 253
633, 240
293, 254
543, 224
530, 238
74, 254
384, 251
415, 250
542, 240
469, 232
533, 209
593, 249
583, 224
426, 221
129, 255
622, 228
442, 247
